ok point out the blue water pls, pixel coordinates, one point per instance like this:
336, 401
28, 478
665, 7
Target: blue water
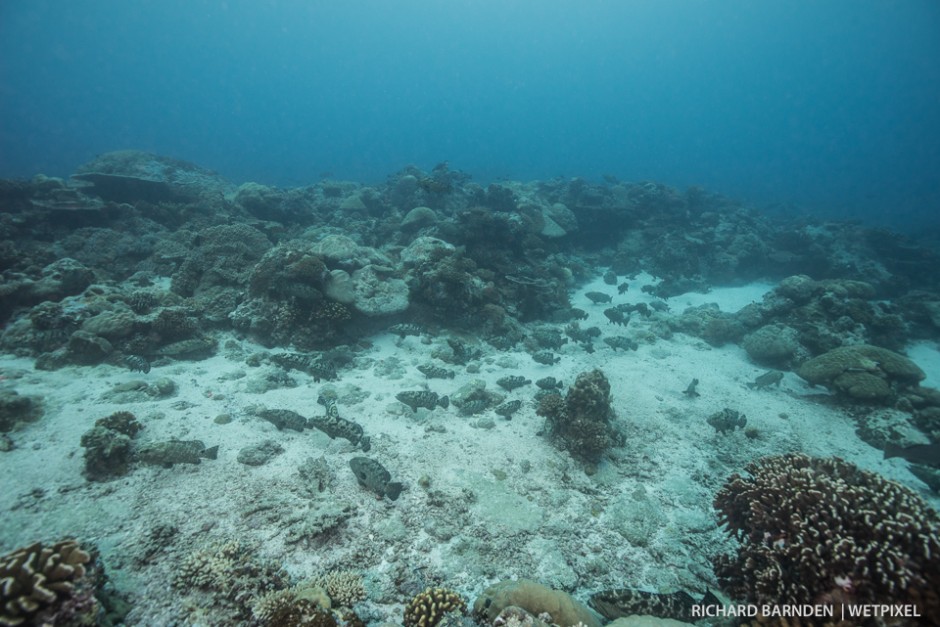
831, 108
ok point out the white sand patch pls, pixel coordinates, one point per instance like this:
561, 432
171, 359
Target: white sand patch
927, 355
493, 492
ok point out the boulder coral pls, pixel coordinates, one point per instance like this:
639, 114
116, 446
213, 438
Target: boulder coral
537, 599
862, 372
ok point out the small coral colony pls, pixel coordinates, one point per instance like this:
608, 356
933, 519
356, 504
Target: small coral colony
140, 262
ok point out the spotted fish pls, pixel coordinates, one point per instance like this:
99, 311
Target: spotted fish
422, 398
373, 476
677, 605
176, 452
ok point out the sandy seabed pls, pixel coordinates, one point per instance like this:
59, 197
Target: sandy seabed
485, 499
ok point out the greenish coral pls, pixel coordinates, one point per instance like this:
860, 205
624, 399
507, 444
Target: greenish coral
862, 372
536, 599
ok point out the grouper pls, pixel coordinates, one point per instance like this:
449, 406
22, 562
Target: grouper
176, 452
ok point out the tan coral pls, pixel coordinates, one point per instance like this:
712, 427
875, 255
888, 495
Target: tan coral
36, 576
344, 587
427, 608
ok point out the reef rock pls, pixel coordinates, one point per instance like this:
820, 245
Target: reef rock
418, 218
424, 249
339, 251
378, 294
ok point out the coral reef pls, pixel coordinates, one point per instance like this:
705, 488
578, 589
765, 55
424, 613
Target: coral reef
862, 372
562, 608
46, 585
229, 578
823, 531
109, 446
426, 609
582, 422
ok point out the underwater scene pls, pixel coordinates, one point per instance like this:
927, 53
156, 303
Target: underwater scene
263, 375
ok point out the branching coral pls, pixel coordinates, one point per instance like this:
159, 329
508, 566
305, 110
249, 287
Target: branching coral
824, 531
427, 608
344, 587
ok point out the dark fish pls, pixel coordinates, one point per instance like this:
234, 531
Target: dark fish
549, 383
727, 420
507, 409
405, 328
422, 398
614, 604
373, 476
283, 419
926, 454
617, 316
322, 369
620, 342
599, 297
771, 377
176, 452
335, 426
435, 372
546, 358
578, 314
690, 391
136, 363
471, 408
511, 383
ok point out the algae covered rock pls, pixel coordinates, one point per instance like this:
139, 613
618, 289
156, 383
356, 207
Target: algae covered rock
862, 372
15, 408
536, 599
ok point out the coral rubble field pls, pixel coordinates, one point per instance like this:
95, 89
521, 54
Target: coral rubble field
432, 401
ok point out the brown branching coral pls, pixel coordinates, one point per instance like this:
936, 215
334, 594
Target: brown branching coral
824, 531
427, 608
37, 578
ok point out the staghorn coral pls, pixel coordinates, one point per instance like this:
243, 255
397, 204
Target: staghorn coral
426, 609
823, 531
40, 579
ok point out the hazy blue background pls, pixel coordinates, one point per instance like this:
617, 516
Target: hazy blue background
833, 106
